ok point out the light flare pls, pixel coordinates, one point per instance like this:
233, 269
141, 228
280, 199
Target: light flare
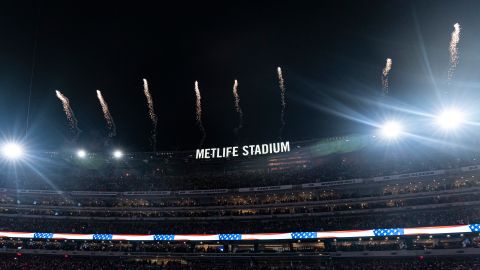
12, 151
450, 119
391, 130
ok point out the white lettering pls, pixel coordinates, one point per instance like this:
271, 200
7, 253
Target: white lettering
285, 147
246, 150
264, 149
200, 153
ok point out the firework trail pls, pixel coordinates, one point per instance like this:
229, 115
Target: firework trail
454, 50
198, 110
386, 71
69, 113
238, 109
107, 115
151, 113
281, 83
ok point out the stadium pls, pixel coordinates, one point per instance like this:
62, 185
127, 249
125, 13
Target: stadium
249, 213
257, 136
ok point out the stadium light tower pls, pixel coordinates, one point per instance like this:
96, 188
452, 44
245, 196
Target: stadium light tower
12, 151
81, 153
391, 130
450, 119
117, 154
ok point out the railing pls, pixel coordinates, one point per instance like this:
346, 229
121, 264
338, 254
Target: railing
377, 232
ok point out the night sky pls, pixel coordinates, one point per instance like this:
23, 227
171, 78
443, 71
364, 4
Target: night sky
331, 52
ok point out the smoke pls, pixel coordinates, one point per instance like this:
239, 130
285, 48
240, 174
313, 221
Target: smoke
106, 114
151, 113
386, 71
238, 109
281, 83
69, 113
198, 110
454, 50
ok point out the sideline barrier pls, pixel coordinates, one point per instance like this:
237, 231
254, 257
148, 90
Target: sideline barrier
380, 232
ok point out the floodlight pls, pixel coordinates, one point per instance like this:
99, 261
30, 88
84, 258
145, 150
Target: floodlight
391, 130
450, 119
12, 151
117, 154
81, 153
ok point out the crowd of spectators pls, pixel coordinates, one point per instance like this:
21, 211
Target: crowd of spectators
420, 263
35, 262
448, 216
242, 199
273, 206
273, 209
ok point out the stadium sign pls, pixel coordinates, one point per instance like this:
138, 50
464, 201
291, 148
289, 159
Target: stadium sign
246, 150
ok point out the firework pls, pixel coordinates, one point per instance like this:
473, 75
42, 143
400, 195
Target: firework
386, 71
238, 109
198, 110
151, 113
69, 113
454, 50
281, 83
106, 114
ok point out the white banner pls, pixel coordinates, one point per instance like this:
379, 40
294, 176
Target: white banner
94, 193
470, 168
26, 191
147, 193
333, 183
268, 188
202, 191
408, 175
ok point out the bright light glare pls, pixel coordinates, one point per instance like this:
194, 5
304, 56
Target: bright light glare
81, 153
117, 154
12, 151
391, 130
450, 119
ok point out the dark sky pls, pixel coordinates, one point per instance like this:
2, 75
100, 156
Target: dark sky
331, 52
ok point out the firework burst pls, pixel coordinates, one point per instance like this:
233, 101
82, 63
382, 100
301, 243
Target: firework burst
69, 113
385, 72
453, 48
151, 113
281, 83
238, 109
106, 114
198, 111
